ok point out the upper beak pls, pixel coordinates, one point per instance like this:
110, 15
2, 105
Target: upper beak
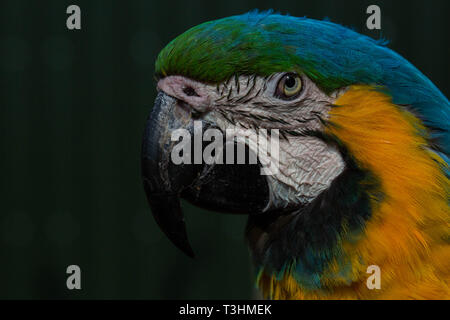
232, 188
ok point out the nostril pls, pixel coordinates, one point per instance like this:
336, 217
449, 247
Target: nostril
190, 92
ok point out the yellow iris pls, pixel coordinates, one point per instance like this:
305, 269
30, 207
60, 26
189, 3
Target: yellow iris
291, 84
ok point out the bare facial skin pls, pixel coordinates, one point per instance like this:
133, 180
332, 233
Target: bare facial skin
307, 165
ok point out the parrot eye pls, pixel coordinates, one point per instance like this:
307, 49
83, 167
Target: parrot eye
289, 86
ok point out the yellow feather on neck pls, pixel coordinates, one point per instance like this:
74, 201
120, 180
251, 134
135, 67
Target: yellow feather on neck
408, 233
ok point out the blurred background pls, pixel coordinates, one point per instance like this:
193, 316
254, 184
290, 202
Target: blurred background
73, 107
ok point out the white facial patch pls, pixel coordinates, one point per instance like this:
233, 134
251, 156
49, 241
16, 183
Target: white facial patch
307, 167
306, 164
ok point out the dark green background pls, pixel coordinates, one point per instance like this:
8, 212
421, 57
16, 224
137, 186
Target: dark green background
73, 106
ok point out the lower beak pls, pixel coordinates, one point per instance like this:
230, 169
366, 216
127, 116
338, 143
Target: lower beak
231, 188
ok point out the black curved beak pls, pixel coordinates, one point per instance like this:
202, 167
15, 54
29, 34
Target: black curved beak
230, 188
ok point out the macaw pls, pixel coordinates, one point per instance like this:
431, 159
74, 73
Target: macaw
364, 144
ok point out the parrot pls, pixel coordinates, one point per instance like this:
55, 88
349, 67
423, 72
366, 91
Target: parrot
358, 205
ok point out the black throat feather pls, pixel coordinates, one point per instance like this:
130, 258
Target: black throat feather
305, 240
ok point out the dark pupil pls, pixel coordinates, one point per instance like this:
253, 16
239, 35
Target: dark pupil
290, 82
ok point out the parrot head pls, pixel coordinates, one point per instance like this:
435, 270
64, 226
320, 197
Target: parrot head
356, 173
